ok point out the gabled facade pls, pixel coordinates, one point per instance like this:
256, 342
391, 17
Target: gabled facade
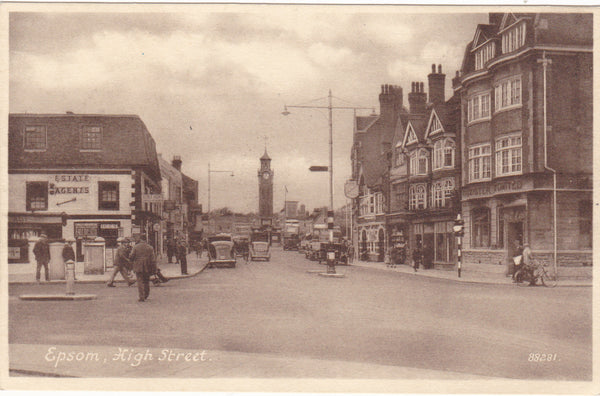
82, 177
526, 99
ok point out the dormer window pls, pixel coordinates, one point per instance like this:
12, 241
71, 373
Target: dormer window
418, 162
484, 54
443, 154
35, 138
91, 138
513, 38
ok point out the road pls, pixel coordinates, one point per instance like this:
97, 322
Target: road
370, 316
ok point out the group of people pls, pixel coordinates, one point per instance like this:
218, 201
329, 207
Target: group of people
177, 248
41, 251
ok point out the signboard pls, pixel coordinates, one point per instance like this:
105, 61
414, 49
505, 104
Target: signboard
351, 189
73, 184
83, 230
14, 253
496, 188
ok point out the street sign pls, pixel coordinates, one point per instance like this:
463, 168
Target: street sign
316, 168
351, 189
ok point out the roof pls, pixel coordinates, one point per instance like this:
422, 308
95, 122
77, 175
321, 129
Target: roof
265, 156
418, 124
483, 33
125, 142
364, 122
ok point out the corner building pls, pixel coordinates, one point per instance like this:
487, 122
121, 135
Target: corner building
526, 101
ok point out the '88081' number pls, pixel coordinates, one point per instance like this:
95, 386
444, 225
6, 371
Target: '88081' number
542, 357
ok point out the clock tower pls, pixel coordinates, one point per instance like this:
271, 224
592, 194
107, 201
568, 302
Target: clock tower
265, 190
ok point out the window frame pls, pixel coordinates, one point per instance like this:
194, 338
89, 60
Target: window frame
44, 131
514, 37
478, 225
509, 151
82, 138
479, 159
484, 54
504, 91
103, 204
399, 157
472, 108
417, 158
439, 153
417, 200
29, 192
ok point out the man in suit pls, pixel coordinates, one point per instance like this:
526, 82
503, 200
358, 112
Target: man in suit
41, 250
143, 261
121, 263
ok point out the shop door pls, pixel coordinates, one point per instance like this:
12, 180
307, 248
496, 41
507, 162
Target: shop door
514, 237
428, 250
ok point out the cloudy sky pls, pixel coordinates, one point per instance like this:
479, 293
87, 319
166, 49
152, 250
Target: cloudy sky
210, 83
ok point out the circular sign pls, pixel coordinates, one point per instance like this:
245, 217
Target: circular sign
351, 189
156, 227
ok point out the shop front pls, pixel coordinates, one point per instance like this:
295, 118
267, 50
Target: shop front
23, 227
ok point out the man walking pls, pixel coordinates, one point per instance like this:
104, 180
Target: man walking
182, 256
41, 250
144, 264
121, 263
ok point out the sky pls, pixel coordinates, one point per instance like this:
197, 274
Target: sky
210, 83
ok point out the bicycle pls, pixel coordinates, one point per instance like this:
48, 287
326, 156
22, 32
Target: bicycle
537, 271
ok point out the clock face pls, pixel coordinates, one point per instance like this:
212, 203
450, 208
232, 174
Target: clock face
266, 175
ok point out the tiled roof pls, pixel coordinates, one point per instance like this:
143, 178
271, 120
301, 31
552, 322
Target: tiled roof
364, 122
125, 142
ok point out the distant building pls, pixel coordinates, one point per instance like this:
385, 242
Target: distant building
80, 176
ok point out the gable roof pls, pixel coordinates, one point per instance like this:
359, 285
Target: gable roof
435, 123
483, 33
416, 125
362, 123
125, 143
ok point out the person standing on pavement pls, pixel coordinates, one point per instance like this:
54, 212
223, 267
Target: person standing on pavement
143, 261
68, 253
417, 256
182, 256
171, 246
121, 263
41, 250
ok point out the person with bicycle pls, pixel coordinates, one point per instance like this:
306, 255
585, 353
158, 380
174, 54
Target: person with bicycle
527, 267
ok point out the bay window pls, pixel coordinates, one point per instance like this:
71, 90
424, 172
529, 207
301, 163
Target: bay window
443, 154
508, 93
508, 155
513, 38
478, 107
480, 158
418, 162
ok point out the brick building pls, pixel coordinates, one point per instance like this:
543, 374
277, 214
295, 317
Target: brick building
80, 176
526, 98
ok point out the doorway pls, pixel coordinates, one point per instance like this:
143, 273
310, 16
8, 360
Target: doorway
514, 237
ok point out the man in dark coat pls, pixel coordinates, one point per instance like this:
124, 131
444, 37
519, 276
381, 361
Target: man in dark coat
121, 263
68, 253
182, 256
41, 250
143, 262
171, 249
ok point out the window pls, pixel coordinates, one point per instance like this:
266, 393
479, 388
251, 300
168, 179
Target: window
417, 195
108, 195
484, 54
91, 138
508, 93
478, 107
508, 155
36, 196
378, 203
442, 192
418, 162
443, 154
400, 157
480, 237
513, 38
480, 163
35, 138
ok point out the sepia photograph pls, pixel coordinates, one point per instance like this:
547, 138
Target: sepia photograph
298, 198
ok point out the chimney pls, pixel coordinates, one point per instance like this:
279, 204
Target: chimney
390, 103
437, 85
417, 98
456, 80
176, 162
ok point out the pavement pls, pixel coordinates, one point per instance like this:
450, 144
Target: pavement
171, 271
480, 273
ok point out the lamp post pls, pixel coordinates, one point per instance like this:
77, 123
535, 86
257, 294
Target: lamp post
459, 231
209, 172
330, 108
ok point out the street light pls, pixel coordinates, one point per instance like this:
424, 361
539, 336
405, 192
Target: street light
214, 171
330, 108
459, 231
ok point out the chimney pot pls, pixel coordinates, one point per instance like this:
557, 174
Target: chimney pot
440, 69
433, 68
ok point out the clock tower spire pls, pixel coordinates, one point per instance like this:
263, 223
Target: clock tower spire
265, 190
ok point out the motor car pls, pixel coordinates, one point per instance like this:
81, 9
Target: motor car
221, 251
260, 250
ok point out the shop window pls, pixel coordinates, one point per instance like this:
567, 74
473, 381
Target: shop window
37, 196
480, 228
35, 138
91, 138
585, 224
108, 195
508, 155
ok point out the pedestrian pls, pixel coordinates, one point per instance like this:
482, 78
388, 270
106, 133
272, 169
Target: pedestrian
121, 263
527, 264
517, 261
68, 253
182, 256
41, 251
417, 257
170, 249
143, 262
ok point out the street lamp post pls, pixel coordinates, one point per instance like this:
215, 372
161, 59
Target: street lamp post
459, 231
209, 172
330, 108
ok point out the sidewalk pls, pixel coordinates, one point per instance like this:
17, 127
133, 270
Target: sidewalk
171, 271
480, 273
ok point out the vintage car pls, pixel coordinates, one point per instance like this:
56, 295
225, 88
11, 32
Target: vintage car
221, 251
260, 250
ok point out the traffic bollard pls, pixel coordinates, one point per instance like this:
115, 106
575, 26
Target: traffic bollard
70, 277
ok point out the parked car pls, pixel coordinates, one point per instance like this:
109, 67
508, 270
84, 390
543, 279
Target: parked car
260, 250
221, 251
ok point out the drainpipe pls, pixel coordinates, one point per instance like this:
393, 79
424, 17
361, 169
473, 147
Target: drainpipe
545, 61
